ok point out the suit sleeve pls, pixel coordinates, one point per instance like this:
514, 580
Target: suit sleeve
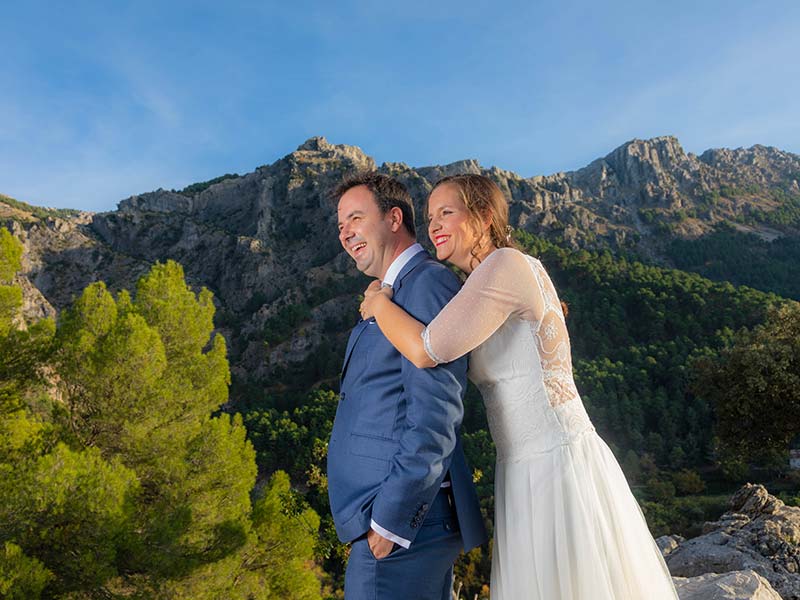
433, 415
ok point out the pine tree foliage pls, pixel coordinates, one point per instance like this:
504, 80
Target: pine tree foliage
119, 477
70, 510
754, 385
21, 577
10, 295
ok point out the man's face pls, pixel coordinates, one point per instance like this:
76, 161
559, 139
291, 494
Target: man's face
364, 232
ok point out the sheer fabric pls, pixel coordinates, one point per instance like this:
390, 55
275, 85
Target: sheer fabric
566, 524
506, 284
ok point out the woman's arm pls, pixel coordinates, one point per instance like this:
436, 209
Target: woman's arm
401, 329
503, 284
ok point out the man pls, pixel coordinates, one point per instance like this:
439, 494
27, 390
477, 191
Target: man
398, 483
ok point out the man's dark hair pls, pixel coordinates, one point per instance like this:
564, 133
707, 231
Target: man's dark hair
388, 192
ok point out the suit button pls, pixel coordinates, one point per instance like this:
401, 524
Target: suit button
423, 508
342, 396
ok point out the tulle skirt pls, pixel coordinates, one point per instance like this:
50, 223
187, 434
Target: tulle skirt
567, 527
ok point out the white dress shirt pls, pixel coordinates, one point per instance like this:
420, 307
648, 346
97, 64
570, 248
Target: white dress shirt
398, 263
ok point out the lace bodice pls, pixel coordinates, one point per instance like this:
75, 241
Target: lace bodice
509, 316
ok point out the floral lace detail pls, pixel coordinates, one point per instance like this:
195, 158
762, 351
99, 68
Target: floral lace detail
521, 418
552, 341
509, 316
560, 387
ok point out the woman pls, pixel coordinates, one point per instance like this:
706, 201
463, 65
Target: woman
566, 524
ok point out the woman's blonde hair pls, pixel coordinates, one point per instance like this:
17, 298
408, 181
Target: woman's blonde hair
483, 198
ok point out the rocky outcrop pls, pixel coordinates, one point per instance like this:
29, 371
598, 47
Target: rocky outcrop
762, 166
737, 585
759, 533
267, 239
260, 242
668, 543
60, 257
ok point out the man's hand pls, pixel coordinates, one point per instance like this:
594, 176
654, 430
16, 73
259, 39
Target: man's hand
379, 545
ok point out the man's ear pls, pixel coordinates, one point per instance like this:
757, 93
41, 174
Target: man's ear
396, 216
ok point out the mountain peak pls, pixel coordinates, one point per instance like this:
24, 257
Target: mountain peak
315, 144
638, 161
665, 148
318, 148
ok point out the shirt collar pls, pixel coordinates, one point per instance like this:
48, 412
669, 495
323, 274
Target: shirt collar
398, 263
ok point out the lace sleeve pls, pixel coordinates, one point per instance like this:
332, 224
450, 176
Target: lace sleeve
500, 286
552, 340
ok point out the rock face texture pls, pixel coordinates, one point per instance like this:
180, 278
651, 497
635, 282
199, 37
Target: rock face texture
737, 585
266, 241
759, 533
668, 543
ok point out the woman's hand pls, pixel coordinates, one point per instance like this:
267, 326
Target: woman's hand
373, 295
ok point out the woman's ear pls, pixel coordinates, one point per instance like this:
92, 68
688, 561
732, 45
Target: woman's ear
486, 220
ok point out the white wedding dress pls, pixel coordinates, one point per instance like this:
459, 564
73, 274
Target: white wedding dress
566, 524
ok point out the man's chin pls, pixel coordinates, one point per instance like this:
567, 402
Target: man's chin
363, 267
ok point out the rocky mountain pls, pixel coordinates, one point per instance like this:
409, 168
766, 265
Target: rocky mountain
265, 242
757, 539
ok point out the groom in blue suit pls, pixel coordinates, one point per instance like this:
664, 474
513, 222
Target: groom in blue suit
399, 486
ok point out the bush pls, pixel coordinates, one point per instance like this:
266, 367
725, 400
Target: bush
688, 482
660, 490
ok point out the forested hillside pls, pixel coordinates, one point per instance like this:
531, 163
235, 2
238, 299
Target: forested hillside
742, 258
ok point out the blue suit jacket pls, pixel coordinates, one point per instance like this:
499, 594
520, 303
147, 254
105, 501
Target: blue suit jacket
396, 432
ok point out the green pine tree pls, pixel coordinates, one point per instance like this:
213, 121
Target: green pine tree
128, 482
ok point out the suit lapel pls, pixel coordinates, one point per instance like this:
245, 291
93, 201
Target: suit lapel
351, 343
362, 325
413, 262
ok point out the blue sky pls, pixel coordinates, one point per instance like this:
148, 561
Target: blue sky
101, 100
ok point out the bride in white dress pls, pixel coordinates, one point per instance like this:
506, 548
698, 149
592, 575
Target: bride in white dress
566, 524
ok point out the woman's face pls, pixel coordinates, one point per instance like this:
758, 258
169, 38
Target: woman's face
449, 227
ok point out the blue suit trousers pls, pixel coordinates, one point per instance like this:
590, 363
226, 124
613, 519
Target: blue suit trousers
424, 571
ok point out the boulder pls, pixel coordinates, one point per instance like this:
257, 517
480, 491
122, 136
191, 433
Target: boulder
736, 585
760, 533
668, 543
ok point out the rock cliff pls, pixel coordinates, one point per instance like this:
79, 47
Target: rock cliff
265, 242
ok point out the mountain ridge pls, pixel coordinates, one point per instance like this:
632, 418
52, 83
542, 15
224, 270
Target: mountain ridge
265, 241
